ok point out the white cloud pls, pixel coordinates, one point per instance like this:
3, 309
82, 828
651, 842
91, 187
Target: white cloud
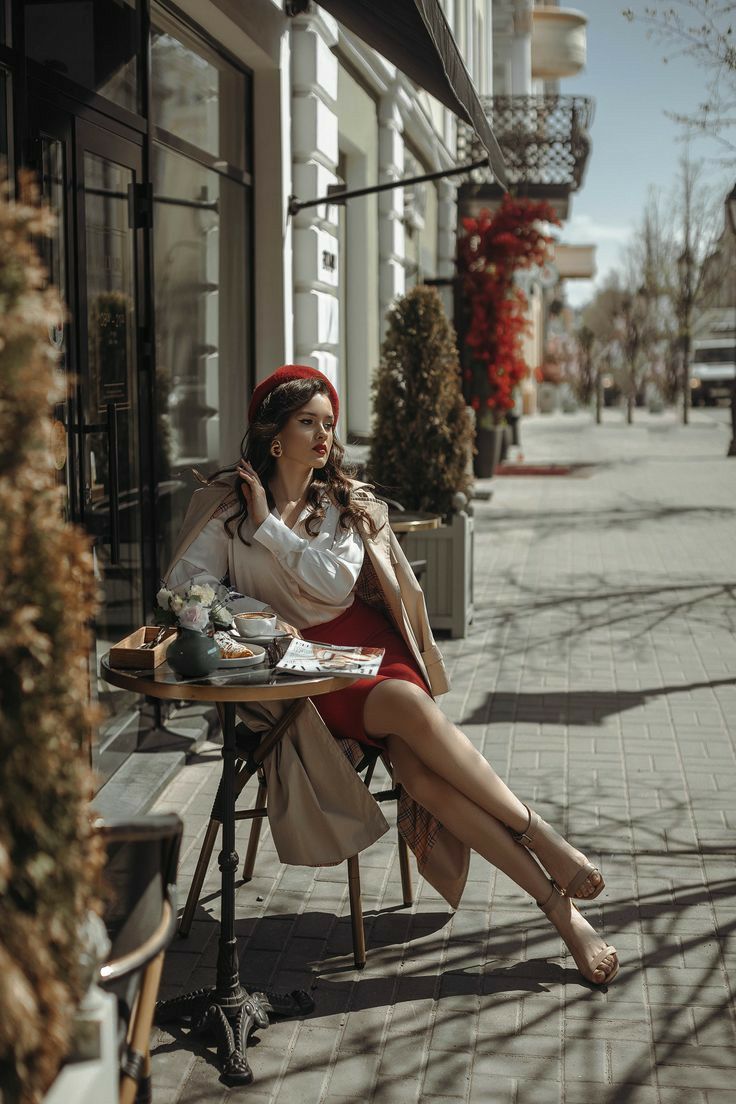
585, 230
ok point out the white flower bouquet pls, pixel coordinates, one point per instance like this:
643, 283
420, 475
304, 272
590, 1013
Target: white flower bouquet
194, 606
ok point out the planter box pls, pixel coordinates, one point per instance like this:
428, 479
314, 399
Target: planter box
448, 581
547, 398
488, 444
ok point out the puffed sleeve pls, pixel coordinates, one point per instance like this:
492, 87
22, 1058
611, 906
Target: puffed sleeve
327, 573
205, 561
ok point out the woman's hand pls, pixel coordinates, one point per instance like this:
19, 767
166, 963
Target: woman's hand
284, 626
254, 492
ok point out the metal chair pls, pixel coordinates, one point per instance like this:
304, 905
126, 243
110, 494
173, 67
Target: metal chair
248, 742
140, 916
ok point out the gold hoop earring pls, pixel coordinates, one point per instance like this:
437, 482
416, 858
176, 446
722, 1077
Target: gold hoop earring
276, 449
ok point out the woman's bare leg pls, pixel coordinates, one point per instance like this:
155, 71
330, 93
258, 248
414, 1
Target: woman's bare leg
485, 834
404, 710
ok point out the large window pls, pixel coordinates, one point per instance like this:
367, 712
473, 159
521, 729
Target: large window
202, 262
420, 224
95, 43
198, 96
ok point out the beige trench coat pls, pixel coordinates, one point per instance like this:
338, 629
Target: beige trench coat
318, 809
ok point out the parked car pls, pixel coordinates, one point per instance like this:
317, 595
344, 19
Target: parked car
712, 369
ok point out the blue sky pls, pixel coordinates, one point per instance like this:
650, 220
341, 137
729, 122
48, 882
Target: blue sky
634, 145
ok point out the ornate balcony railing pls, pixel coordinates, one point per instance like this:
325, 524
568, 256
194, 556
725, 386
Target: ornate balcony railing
544, 139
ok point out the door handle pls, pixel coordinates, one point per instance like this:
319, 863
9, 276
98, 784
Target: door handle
110, 427
114, 472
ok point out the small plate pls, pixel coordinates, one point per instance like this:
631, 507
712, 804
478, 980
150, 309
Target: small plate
245, 661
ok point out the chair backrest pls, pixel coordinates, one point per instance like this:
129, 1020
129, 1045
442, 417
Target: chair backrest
140, 880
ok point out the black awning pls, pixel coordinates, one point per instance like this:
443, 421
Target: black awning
415, 37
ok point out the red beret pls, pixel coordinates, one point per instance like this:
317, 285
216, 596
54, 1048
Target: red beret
282, 375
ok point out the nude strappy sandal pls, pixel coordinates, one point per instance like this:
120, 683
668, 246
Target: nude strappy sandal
587, 966
539, 832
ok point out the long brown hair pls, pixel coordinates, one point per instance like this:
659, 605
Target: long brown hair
332, 482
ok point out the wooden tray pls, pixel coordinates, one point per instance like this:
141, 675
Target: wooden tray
128, 652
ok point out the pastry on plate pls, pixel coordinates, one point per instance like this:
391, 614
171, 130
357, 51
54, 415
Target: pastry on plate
231, 649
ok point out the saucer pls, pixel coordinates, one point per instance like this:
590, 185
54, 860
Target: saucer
264, 638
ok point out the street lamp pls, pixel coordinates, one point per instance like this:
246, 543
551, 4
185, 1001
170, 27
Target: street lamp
685, 272
731, 210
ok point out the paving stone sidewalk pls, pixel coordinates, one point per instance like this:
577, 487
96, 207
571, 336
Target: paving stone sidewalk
599, 678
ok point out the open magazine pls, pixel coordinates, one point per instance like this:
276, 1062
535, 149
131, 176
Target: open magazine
312, 658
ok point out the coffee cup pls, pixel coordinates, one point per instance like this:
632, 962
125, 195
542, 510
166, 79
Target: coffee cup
255, 624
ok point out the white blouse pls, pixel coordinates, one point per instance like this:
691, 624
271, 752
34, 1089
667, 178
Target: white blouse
306, 580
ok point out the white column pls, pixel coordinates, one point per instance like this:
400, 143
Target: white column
447, 238
521, 49
490, 90
314, 141
390, 204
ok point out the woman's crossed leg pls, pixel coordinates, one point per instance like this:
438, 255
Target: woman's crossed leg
441, 770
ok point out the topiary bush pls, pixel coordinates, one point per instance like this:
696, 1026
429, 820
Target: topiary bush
49, 859
421, 432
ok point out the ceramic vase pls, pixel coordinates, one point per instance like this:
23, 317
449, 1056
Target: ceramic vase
193, 654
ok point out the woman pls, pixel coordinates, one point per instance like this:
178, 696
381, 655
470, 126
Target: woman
294, 533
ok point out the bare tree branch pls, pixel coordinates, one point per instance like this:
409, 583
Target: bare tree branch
704, 31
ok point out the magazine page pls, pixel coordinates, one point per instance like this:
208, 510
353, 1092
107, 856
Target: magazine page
312, 658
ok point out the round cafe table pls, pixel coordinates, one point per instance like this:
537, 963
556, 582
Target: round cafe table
412, 521
404, 522
229, 1010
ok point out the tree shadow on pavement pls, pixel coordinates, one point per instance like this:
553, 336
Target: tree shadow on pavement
593, 604
501, 981
463, 967
618, 518
574, 707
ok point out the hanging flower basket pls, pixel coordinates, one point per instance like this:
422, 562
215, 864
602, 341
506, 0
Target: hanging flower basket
493, 248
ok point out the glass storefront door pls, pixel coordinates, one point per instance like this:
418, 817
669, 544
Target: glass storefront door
151, 182
109, 417
88, 177
109, 411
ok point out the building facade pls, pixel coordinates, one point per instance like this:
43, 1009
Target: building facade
169, 139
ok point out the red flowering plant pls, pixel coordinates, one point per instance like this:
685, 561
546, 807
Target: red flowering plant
493, 248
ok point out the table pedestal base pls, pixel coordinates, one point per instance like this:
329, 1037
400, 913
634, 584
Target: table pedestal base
231, 1020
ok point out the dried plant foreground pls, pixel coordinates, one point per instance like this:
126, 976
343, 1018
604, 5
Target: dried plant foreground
49, 861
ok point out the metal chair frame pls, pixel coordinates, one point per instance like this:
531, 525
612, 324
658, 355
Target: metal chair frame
257, 813
148, 958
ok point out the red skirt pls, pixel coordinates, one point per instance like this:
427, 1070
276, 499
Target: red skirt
342, 710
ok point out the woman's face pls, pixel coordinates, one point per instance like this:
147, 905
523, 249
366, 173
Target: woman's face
306, 438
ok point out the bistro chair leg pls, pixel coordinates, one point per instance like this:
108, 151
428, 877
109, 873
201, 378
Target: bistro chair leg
406, 886
255, 829
145, 1091
203, 862
356, 912
200, 873
407, 890
140, 1032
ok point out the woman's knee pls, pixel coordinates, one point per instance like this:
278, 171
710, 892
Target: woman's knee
395, 705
